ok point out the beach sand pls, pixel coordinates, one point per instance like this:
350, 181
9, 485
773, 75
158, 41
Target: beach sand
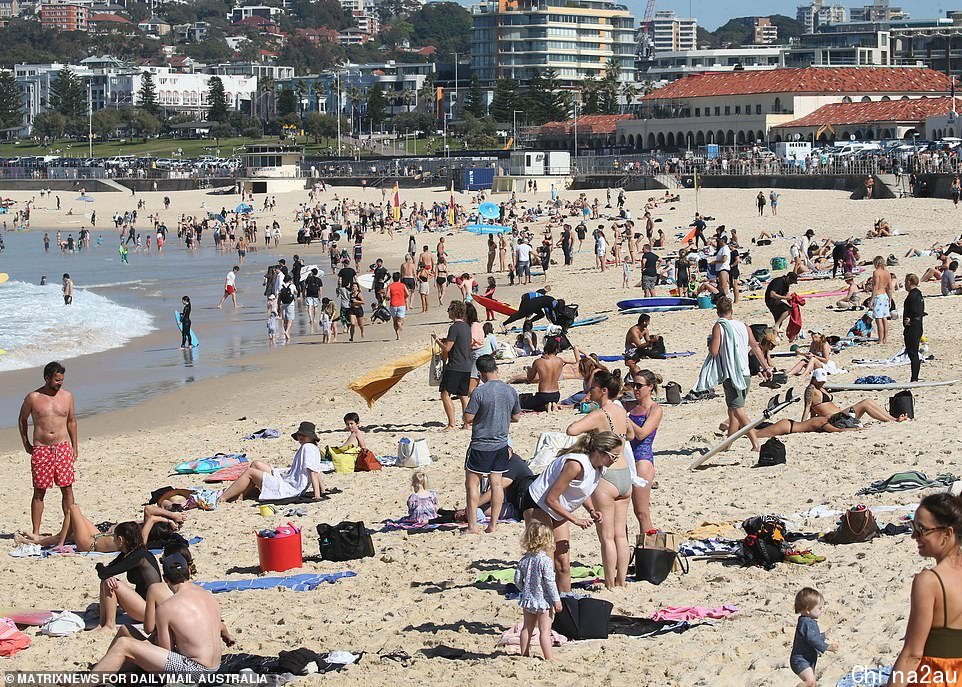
418, 594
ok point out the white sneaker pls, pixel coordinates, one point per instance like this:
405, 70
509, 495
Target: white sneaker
26, 551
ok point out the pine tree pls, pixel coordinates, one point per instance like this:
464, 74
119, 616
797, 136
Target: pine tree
475, 100
376, 105
148, 94
217, 100
286, 102
68, 96
11, 102
505, 100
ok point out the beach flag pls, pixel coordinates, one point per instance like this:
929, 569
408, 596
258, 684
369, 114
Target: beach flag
397, 203
451, 207
695, 177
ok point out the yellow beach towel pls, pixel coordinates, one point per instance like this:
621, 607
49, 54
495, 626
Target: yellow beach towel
378, 382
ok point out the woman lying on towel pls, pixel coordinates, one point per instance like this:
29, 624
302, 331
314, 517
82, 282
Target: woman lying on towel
156, 528
271, 484
818, 403
815, 424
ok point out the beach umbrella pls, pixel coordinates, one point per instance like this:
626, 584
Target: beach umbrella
244, 209
489, 210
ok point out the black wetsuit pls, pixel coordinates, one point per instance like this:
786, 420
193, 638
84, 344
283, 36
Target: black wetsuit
185, 327
534, 308
913, 312
141, 568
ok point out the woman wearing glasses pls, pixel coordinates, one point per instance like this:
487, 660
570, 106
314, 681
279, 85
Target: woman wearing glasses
566, 484
932, 652
614, 493
645, 417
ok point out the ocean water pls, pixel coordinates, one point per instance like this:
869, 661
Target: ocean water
119, 340
36, 327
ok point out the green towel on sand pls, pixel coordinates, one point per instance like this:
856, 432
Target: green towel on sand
905, 481
506, 575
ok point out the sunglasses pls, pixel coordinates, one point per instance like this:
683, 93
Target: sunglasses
613, 456
919, 531
639, 385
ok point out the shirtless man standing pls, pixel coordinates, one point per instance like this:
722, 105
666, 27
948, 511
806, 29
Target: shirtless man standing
54, 447
881, 297
546, 370
188, 627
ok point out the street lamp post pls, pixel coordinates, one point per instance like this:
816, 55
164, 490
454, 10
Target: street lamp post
514, 129
576, 132
454, 103
337, 80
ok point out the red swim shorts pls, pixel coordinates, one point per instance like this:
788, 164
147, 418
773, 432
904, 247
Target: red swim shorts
230, 290
51, 465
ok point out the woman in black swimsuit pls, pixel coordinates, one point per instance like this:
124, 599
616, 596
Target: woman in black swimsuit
787, 426
818, 402
142, 571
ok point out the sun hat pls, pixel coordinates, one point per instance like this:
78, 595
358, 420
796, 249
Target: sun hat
307, 429
819, 375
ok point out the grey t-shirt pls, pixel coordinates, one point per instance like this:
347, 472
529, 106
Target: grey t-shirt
492, 404
948, 279
459, 357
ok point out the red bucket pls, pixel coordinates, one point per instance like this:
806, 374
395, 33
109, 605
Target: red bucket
280, 553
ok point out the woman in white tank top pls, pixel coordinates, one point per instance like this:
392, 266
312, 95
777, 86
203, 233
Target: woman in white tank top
567, 484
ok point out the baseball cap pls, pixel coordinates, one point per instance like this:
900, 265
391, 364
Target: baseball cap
175, 563
819, 375
816, 330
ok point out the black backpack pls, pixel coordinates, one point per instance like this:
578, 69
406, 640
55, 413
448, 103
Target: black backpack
287, 295
345, 541
772, 453
764, 544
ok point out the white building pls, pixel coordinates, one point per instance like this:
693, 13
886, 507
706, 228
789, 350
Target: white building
247, 11
113, 83
671, 33
816, 13
668, 66
576, 38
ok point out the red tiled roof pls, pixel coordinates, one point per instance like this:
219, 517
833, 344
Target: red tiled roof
914, 110
588, 124
426, 50
109, 17
806, 80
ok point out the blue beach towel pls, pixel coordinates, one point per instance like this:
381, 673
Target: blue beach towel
298, 583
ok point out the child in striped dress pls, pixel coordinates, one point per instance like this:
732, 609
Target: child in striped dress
539, 593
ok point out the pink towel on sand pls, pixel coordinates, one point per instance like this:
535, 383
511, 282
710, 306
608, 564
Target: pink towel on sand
679, 613
228, 474
511, 639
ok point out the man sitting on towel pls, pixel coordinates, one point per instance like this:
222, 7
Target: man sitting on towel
188, 640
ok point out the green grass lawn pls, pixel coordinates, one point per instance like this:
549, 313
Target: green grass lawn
193, 148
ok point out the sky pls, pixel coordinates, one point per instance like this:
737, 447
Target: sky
711, 14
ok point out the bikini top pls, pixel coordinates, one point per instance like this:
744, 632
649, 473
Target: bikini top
826, 397
611, 425
943, 642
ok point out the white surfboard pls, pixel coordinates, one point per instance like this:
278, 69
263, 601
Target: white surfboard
366, 281
889, 387
306, 272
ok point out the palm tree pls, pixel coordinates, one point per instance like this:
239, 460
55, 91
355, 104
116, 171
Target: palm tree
300, 88
318, 90
354, 95
408, 97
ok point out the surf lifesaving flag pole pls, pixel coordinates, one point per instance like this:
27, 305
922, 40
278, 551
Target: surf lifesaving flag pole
695, 177
397, 203
451, 206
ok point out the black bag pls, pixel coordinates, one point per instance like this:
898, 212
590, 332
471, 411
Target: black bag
673, 393
654, 565
902, 403
584, 618
287, 295
772, 453
345, 541
565, 315
764, 544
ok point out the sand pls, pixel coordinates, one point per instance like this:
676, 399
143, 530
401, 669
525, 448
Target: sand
418, 593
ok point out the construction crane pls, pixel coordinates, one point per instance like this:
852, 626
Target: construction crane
649, 16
